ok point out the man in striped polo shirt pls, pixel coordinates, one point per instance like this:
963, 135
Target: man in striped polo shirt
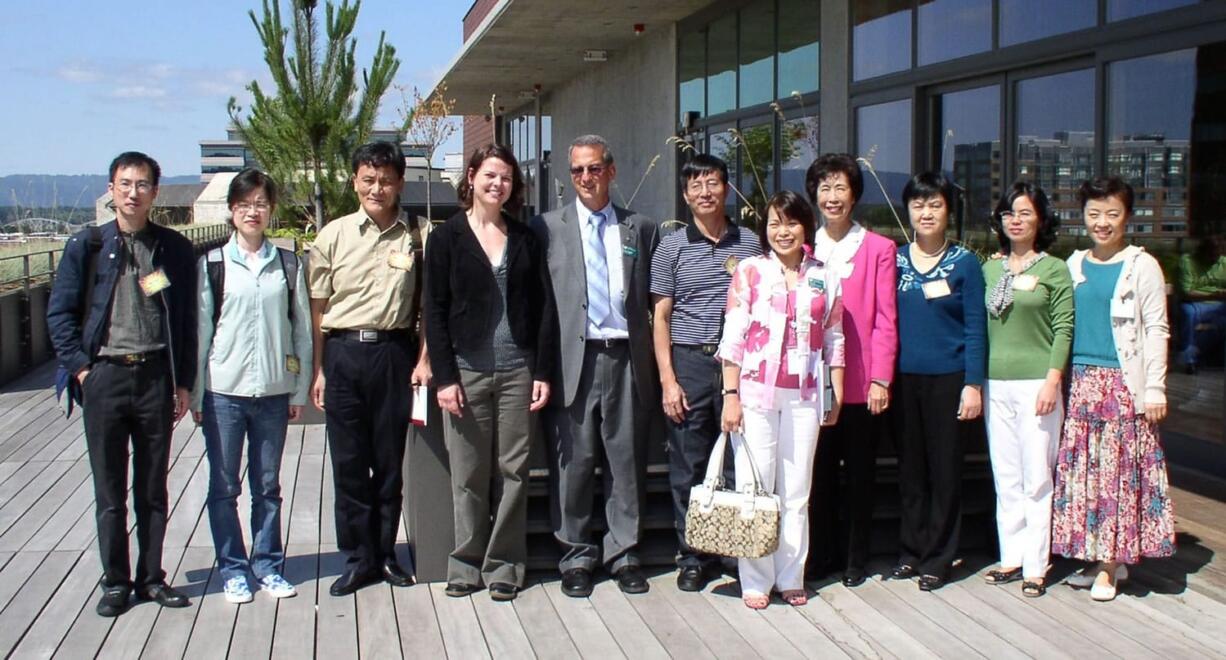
690, 274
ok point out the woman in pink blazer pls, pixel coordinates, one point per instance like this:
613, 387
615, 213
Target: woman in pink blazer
861, 265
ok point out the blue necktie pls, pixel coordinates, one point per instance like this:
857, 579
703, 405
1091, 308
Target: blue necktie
598, 305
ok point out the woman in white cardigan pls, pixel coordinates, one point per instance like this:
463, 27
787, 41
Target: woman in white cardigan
1111, 504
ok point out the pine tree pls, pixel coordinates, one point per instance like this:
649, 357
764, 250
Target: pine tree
304, 134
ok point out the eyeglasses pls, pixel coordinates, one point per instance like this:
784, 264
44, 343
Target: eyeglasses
594, 170
699, 186
126, 187
1021, 215
242, 208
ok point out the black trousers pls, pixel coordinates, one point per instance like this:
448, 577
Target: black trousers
129, 405
690, 442
931, 447
366, 406
851, 442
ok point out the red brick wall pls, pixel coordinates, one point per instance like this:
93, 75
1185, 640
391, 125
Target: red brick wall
475, 15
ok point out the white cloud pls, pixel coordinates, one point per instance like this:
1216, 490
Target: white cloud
138, 92
78, 72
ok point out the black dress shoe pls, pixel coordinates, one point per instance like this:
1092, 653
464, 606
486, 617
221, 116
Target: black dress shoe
931, 582
903, 572
853, 577
630, 580
163, 594
502, 591
114, 600
577, 583
350, 581
691, 578
395, 576
459, 589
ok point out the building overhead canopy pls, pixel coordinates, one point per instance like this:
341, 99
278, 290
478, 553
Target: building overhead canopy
524, 43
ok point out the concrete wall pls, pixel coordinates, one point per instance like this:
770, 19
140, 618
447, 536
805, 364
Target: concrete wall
631, 100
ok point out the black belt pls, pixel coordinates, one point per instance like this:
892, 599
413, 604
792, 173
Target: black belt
705, 349
133, 358
370, 336
607, 343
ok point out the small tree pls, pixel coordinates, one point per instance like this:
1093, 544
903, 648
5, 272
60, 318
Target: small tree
305, 132
427, 122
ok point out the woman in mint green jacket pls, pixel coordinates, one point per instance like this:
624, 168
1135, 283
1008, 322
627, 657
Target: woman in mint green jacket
1030, 333
254, 366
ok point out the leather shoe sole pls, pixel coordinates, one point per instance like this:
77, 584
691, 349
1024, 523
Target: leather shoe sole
459, 589
502, 591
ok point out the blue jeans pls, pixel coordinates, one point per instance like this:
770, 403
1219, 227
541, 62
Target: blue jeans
263, 421
1211, 313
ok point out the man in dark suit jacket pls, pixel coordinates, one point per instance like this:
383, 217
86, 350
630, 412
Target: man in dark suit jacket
600, 261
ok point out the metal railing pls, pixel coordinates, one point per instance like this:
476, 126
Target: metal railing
35, 267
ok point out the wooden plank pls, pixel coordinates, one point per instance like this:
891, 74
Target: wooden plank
210, 633
378, 635
130, 632
1151, 612
504, 635
294, 634
21, 613
20, 481
87, 633
253, 626
16, 572
172, 629
7, 470
936, 639
305, 515
583, 623
729, 611
871, 623
541, 623
53, 623
327, 505
668, 626
40, 438
1036, 642
4, 558
789, 623
458, 624
337, 632
72, 436
79, 503
30, 411
420, 635
952, 621
289, 478
725, 638
187, 511
314, 440
21, 531
25, 428
1070, 636
29, 496
632, 634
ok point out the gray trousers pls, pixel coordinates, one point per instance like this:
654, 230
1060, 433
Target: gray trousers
601, 423
488, 449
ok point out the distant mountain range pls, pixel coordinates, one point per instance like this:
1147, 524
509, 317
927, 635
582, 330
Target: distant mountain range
62, 190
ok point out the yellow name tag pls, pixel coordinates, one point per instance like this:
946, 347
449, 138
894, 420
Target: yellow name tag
154, 282
292, 364
936, 289
1025, 282
400, 260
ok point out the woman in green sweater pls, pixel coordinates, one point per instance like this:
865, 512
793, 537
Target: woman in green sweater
1030, 333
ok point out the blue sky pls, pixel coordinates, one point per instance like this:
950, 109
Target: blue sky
83, 80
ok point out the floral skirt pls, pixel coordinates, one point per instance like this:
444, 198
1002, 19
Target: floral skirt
1111, 501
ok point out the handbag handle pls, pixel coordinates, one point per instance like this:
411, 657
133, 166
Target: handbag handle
715, 465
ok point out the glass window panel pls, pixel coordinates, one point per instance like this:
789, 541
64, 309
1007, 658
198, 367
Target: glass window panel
758, 53
723, 145
1055, 136
881, 37
970, 149
798, 149
883, 138
799, 27
1118, 10
721, 65
1027, 20
692, 51
546, 133
950, 29
757, 168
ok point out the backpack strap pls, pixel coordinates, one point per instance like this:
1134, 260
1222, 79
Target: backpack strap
289, 266
215, 266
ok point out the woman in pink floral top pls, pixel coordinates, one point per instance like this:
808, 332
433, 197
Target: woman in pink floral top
781, 332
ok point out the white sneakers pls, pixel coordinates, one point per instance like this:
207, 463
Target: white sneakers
238, 592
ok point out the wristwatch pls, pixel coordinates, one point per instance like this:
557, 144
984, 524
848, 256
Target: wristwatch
726, 391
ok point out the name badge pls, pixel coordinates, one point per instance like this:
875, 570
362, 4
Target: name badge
154, 282
1025, 282
936, 289
292, 364
846, 270
399, 260
630, 251
1123, 308
817, 284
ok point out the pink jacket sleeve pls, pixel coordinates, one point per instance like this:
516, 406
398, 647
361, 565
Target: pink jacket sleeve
736, 319
885, 317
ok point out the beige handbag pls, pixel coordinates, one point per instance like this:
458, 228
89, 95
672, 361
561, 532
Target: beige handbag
731, 523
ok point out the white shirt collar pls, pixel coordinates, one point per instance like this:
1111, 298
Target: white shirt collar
584, 213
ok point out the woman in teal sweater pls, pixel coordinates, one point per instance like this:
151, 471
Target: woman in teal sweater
1030, 333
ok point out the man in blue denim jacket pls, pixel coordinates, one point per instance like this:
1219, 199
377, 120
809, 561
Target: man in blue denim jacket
122, 318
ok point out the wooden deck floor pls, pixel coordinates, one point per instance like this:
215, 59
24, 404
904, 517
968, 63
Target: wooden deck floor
1174, 608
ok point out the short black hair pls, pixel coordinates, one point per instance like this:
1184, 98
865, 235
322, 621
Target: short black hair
465, 190
789, 204
703, 164
1103, 187
1045, 235
247, 181
379, 154
927, 185
136, 159
828, 165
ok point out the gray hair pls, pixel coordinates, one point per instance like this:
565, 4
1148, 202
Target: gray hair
592, 140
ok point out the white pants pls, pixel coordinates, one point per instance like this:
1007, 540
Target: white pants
783, 443
1023, 448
